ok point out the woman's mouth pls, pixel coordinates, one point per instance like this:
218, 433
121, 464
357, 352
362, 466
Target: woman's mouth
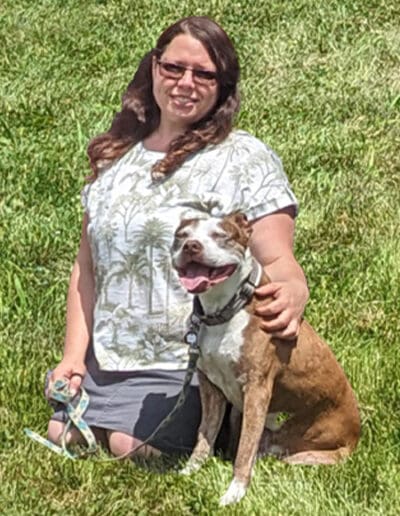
182, 101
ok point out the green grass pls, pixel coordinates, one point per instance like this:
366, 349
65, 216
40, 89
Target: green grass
321, 85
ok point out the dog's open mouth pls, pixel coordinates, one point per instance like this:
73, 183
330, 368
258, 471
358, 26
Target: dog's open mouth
197, 277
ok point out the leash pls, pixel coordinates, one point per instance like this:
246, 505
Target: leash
191, 338
60, 393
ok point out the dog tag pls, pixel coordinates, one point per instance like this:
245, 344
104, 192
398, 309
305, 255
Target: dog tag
191, 338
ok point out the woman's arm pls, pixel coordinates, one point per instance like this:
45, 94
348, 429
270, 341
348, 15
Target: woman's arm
282, 301
80, 304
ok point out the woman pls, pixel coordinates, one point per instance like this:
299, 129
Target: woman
170, 150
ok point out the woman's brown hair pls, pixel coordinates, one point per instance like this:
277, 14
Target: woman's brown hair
140, 115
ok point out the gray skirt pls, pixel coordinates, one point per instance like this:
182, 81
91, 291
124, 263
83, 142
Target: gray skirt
136, 402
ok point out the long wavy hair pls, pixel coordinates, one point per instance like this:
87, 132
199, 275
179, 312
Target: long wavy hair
140, 114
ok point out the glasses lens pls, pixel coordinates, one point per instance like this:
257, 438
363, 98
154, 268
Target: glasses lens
176, 71
171, 69
203, 76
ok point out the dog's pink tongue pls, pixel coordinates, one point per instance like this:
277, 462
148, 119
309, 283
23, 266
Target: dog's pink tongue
196, 278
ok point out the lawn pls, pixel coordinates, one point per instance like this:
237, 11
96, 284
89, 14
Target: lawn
321, 85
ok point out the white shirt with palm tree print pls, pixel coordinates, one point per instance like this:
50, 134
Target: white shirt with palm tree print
141, 309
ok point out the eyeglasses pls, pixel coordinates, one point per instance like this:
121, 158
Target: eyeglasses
177, 71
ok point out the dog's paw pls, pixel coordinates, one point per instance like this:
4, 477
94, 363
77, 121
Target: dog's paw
234, 494
191, 467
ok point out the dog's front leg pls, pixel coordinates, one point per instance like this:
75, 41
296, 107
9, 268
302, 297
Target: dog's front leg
255, 408
213, 404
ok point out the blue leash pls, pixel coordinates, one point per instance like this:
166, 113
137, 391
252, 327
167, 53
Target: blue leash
60, 393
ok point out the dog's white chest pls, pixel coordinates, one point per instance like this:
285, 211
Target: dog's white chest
220, 353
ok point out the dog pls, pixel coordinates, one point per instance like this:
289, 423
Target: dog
263, 377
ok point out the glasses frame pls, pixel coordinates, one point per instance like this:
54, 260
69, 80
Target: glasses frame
199, 75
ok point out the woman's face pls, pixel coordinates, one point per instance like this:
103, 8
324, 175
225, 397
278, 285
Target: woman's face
183, 95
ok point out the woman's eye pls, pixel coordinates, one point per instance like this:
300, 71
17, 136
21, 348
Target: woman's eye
173, 68
204, 75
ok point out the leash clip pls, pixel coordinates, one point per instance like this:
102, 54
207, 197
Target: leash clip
192, 339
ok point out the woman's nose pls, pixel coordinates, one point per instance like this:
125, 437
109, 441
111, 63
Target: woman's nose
186, 79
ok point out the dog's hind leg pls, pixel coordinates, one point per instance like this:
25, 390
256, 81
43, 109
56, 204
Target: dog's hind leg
318, 457
213, 404
325, 438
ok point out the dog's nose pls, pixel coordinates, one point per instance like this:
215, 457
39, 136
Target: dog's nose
192, 247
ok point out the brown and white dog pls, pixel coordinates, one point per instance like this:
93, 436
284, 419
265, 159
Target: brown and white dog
260, 375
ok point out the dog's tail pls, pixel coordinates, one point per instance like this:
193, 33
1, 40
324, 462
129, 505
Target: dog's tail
318, 457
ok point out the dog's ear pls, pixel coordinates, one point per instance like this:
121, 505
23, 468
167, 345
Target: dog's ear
240, 220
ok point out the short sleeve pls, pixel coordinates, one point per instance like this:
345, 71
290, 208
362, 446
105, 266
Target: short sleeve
267, 189
260, 185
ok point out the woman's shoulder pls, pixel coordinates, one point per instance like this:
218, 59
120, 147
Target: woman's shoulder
242, 147
247, 143
244, 137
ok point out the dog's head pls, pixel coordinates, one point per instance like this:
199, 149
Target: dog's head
207, 251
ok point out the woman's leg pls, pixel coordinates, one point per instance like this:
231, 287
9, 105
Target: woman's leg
56, 428
121, 444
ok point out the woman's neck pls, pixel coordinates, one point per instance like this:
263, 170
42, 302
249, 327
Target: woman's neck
160, 139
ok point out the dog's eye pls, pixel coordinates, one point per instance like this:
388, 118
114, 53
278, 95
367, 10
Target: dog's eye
218, 235
181, 234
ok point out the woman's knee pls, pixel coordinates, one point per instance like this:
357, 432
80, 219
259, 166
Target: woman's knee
55, 430
121, 444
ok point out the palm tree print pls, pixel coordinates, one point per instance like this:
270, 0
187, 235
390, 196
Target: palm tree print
154, 235
130, 267
163, 263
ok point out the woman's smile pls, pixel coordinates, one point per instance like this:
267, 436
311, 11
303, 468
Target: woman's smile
181, 101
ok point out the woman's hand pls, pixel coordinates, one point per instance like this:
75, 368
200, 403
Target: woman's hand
281, 307
72, 372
